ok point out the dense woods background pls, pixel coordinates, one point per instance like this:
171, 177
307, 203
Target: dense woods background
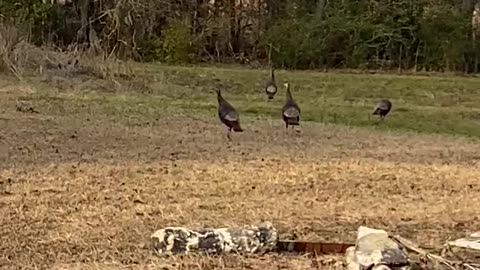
430, 35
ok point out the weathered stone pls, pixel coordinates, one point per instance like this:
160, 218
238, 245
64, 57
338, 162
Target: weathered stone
248, 239
375, 250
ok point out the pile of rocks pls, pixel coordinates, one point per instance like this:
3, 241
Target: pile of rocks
373, 249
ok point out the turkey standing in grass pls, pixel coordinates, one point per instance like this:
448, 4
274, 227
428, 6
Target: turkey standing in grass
290, 111
228, 115
382, 108
271, 86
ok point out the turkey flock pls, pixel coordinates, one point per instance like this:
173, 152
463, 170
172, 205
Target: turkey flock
290, 110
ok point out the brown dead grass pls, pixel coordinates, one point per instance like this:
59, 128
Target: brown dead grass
80, 193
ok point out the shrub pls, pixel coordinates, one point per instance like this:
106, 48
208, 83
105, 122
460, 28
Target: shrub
173, 46
177, 42
9, 41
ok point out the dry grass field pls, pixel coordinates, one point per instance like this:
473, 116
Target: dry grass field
84, 182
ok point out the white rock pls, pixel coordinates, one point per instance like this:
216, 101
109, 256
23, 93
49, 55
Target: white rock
249, 239
373, 249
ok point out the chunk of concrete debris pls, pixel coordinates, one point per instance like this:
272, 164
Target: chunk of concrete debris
470, 242
375, 250
246, 239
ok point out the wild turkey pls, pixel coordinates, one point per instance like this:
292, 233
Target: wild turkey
382, 108
228, 115
271, 86
290, 111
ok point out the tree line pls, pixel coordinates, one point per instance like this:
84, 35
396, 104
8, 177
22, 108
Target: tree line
430, 35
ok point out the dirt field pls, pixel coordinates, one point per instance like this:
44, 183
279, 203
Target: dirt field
84, 190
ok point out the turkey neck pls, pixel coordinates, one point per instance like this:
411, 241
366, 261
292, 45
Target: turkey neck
219, 97
289, 95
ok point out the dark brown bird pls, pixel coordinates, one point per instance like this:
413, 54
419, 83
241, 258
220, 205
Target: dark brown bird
290, 111
382, 108
228, 115
271, 86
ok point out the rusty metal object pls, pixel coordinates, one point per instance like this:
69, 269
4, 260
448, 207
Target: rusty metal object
313, 247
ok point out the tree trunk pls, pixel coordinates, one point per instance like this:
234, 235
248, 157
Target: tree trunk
233, 27
82, 33
475, 30
320, 8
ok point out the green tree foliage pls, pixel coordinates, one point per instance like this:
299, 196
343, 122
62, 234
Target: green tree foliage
38, 19
173, 46
430, 35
